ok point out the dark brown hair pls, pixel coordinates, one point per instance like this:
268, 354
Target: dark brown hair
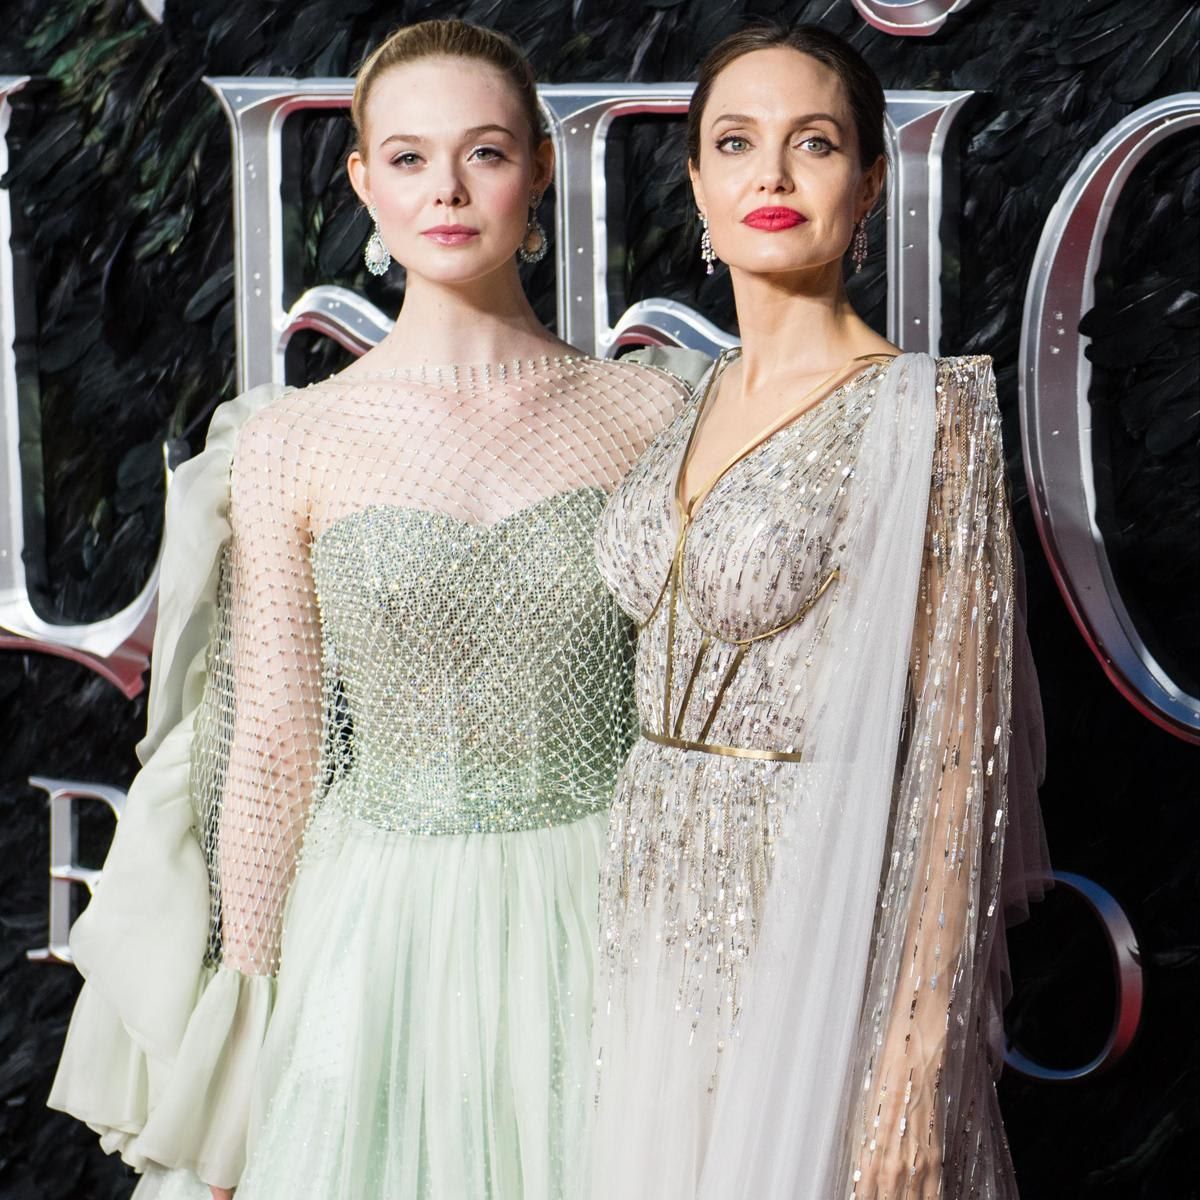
449, 39
863, 89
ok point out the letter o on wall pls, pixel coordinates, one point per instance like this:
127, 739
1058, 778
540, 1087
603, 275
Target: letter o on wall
1056, 416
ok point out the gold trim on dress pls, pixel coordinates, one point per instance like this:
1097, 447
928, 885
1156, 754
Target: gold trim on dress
674, 582
730, 751
803, 405
705, 642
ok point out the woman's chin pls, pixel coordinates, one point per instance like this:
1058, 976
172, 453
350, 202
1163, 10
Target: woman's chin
782, 262
451, 265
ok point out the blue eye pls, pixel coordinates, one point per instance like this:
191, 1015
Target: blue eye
487, 154
733, 143
408, 158
823, 144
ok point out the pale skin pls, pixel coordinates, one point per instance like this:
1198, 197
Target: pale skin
777, 131
764, 143
447, 143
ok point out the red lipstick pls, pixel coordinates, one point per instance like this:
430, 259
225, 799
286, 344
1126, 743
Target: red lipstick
774, 218
450, 235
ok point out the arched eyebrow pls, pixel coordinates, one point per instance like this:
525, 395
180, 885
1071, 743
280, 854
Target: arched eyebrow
807, 119
474, 132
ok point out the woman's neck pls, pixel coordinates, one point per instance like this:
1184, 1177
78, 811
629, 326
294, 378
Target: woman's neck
798, 325
485, 320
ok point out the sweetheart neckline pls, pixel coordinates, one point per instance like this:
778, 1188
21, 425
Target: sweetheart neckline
475, 527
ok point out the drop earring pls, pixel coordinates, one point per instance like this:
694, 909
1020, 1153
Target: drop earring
376, 254
706, 250
858, 247
535, 243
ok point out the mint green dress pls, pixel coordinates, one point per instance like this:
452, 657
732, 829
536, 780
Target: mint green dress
344, 943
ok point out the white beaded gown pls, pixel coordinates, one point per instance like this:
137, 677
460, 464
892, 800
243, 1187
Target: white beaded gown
803, 877
343, 944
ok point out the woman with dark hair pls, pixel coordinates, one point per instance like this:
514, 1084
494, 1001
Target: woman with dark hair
817, 833
345, 940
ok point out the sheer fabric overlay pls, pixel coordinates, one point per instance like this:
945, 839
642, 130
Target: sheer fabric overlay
792, 942
381, 629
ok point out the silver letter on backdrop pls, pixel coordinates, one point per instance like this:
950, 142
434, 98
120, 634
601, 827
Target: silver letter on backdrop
1127, 973
257, 110
908, 18
117, 647
65, 869
581, 116
1056, 417
918, 126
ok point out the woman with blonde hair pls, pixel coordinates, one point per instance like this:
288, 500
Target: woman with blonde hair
344, 942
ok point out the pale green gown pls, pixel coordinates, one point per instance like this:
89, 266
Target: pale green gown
344, 942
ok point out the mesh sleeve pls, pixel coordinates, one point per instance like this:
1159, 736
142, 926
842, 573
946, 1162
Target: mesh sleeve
940, 887
258, 759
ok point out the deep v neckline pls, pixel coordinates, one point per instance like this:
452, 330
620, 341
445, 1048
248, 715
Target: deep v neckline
687, 512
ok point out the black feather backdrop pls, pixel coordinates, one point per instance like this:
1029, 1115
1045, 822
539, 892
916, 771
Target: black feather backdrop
120, 182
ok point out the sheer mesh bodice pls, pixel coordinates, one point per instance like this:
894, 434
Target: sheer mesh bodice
413, 630
502, 703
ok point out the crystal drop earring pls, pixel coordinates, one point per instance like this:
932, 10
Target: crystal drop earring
706, 250
858, 248
376, 254
535, 243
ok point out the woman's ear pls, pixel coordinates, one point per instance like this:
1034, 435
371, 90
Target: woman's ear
872, 186
356, 168
543, 166
697, 186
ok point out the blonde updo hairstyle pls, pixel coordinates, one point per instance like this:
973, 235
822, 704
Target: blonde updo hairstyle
449, 39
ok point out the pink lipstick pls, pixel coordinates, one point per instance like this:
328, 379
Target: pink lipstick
450, 235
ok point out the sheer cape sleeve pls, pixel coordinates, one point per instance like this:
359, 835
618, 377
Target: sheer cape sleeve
930, 1048
178, 945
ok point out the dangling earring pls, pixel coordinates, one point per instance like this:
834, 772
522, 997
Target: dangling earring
706, 250
376, 254
535, 243
858, 248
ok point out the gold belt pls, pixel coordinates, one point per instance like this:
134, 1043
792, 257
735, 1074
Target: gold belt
661, 739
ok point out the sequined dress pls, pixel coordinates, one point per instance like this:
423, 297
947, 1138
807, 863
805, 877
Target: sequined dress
343, 946
804, 859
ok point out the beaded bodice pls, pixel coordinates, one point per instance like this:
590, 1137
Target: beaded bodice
723, 594
486, 673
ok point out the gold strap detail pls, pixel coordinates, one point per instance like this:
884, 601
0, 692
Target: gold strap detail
729, 751
705, 642
674, 603
824, 390
730, 672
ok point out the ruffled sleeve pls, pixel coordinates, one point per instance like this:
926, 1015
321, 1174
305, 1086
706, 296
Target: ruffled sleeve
163, 1045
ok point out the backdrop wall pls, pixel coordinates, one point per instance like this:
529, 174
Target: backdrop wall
121, 192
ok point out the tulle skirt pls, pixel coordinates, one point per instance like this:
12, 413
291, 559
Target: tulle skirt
430, 1034
691, 839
